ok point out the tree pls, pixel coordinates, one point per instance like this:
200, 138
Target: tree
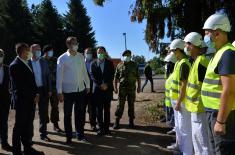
138, 59
78, 24
157, 65
17, 22
49, 26
179, 16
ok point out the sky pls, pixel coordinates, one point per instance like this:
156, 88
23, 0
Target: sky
109, 23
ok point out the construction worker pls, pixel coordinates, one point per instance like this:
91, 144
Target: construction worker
177, 94
170, 61
218, 88
193, 103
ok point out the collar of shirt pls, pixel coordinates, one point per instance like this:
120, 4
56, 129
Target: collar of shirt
69, 54
25, 62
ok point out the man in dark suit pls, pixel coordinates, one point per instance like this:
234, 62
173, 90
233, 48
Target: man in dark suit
4, 103
102, 74
25, 95
42, 78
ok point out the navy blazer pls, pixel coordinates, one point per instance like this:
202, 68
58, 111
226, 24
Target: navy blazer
5, 86
23, 85
46, 81
98, 77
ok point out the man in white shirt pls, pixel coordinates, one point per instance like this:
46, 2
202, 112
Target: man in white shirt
72, 83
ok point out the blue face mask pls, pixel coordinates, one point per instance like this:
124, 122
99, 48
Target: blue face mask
50, 54
208, 41
88, 56
37, 54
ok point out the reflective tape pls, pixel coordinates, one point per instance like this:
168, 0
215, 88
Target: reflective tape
211, 81
193, 86
211, 94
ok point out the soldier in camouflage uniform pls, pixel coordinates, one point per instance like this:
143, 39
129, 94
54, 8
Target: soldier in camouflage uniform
48, 55
127, 75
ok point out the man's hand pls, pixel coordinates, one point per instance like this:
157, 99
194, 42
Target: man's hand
138, 89
177, 106
115, 90
104, 86
88, 90
61, 97
49, 93
219, 128
36, 99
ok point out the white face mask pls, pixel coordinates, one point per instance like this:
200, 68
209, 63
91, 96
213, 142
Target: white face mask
127, 58
75, 47
1, 60
29, 56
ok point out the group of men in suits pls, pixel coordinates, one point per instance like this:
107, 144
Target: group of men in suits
76, 80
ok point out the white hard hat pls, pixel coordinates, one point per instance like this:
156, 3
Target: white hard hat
170, 58
177, 43
194, 38
233, 43
217, 21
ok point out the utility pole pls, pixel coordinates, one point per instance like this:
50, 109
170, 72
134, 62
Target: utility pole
124, 34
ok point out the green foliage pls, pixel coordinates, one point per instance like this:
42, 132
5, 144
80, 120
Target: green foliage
78, 24
16, 25
44, 25
157, 65
178, 16
155, 111
139, 59
49, 26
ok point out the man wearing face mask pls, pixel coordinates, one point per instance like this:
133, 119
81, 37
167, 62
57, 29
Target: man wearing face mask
43, 82
5, 103
51, 60
193, 103
177, 95
127, 75
89, 97
218, 93
24, 95
102, 74
72, 83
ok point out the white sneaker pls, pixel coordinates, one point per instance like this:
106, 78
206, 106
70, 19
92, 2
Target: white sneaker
173, 147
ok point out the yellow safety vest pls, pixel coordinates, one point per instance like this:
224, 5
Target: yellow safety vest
176, 86
193, 101
167, 91
212, 86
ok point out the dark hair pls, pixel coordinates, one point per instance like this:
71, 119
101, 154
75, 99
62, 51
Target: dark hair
69, 39
47, 48
21, 47
102, 47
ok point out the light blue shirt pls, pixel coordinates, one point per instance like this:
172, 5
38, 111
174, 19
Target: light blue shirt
37, 72
1, 74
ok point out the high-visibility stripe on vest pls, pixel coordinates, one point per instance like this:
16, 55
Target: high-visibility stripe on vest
193, 101
212, 87
176, 85
167, 91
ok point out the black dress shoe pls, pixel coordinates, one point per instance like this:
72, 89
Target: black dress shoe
45, 138
58, 129
107, 132
7, 147
69, 141
99, 133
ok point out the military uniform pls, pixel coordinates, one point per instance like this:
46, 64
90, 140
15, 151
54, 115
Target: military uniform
127, 74
54, 116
